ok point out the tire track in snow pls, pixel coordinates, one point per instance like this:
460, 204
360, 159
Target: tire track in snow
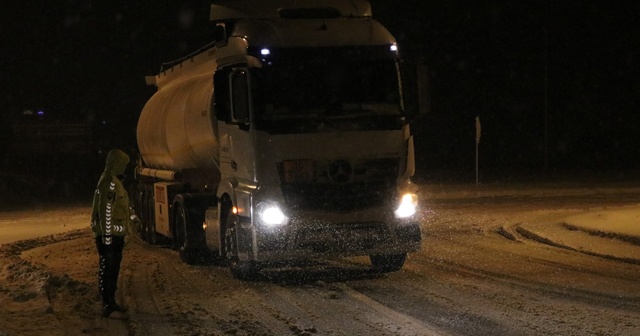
145, 316
200, 300
401, 324
512, 280
337, 309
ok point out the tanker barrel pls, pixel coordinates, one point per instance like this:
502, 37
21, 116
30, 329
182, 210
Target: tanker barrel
177, 127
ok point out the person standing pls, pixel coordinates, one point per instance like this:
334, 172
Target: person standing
111, 218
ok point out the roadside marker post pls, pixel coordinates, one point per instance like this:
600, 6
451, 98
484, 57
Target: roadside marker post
478, 132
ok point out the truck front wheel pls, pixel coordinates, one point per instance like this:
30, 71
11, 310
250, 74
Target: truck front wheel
387, 263
244, 270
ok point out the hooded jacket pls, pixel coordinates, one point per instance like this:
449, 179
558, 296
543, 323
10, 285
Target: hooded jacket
110, 212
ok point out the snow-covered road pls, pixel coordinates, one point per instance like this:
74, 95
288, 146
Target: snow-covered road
41, 221
498, 265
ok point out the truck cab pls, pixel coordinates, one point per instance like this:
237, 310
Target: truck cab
308, 137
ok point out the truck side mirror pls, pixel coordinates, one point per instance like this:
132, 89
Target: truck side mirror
415, 85
220, 34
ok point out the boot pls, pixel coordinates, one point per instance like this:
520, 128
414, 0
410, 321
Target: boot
117, 307
107, 309
107, 306
108, 302
112, 306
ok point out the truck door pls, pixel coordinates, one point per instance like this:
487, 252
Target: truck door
233, 110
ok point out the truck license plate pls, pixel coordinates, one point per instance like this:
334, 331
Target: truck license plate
298, 171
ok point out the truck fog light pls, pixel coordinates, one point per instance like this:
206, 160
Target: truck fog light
408, 206
272, 216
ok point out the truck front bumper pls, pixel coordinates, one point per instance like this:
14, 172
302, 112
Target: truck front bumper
310, 235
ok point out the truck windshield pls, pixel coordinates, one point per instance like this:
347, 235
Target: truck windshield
313, 94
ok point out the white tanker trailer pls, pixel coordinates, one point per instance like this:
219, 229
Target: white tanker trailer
284, 139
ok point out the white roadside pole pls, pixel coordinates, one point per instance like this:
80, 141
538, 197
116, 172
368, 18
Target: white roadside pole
478, 131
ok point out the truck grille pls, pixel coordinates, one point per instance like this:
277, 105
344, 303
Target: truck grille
337, 198
368, 183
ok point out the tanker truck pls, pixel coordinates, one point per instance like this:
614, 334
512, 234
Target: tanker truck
284, 139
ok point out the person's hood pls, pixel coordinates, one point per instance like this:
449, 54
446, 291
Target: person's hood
117, 161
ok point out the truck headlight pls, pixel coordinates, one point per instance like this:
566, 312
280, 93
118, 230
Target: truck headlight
408, 206
271, 215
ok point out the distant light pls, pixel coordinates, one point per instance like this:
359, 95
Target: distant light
40, 112
265, 52
393, 47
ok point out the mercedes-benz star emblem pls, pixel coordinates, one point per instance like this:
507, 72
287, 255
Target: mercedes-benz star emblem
340, 171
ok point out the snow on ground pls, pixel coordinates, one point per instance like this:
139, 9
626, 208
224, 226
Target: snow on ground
40, 222
593, 232
33, 298
596, 232
622, 222
33, 292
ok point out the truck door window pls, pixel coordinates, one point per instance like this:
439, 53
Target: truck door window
221, 96
240, 96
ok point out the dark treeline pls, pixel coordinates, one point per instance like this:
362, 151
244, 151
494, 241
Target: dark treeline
554, 83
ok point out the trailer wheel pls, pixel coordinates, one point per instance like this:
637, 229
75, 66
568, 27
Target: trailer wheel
138, 201
387, 263
183, 237
150, 233
143, 211
243, 270
148, 220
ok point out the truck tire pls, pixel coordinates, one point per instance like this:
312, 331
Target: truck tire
184, 237
148, 221
387, 263
139, 195
150, 233
243, 270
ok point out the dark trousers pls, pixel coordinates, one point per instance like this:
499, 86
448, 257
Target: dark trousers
110, 257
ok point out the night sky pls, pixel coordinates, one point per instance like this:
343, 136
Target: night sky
555, 83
